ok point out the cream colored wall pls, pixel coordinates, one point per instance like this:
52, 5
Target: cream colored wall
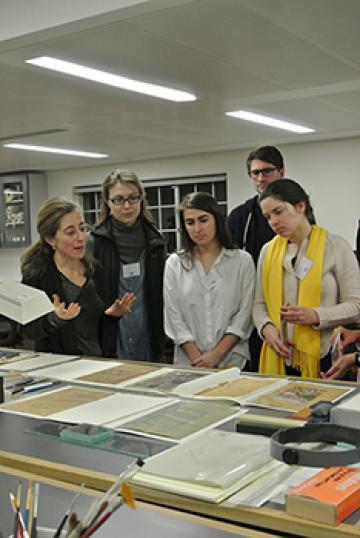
327, 170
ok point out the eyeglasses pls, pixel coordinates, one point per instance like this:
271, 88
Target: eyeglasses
266, 172
71, 233
121, 200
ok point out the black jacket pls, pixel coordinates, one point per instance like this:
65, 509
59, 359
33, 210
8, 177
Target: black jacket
249, 228
59, 336
107, 275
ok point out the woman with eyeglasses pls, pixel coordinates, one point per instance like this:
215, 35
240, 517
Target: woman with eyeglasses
307, 284
58, 264
208, 290
131, 255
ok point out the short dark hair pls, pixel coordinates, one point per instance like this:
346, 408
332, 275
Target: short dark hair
287, 190
204, 202
268, 154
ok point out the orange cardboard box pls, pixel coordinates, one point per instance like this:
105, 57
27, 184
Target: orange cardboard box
329, 496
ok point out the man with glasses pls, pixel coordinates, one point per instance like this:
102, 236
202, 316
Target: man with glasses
248, 226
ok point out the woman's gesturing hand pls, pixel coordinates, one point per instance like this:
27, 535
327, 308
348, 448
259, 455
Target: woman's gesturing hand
63, 312
122, 306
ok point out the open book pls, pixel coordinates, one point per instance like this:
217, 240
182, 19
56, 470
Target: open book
271, 392
181, 381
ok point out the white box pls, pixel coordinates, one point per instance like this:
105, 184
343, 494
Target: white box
23, 303
347, 412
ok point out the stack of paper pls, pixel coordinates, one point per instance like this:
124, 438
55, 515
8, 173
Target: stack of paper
210, 466
36, 362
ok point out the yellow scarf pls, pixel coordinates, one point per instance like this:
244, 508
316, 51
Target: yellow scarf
306, 350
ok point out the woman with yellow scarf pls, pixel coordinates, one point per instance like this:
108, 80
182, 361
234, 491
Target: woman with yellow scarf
307, 284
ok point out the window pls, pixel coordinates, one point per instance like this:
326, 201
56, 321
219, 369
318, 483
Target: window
89, 198
163, 197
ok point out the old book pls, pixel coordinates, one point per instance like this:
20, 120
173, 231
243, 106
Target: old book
330, 496
295, 395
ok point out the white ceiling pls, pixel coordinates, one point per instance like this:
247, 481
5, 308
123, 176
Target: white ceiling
295, 59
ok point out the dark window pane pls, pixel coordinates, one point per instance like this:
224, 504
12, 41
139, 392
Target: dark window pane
167, 195
220, 191
171, 241
223, 209
186, 189
90, 218
155, 214
88, 201
204, 187
168, 218
151, 195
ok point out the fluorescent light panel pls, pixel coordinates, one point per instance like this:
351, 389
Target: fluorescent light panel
61, 151
271, 122
110, 79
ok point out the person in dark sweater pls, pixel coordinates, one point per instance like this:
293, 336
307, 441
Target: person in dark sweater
131, 256
248, 227
57, 264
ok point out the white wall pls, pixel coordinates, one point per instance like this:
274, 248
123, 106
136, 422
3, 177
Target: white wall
327, 170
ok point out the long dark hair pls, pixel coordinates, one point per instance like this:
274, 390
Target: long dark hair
202, 201
37, 256
126, 177
287, 190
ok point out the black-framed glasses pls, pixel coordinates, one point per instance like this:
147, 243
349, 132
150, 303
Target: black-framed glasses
74, 232
266, 172
121, 200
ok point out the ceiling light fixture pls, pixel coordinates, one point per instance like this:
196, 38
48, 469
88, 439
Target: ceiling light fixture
271, 122
61, 151
103, 77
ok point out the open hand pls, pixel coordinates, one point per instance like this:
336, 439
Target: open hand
63, 312
122, 306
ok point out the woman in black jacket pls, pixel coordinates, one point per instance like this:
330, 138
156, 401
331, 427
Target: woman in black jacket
130, 255
57, 264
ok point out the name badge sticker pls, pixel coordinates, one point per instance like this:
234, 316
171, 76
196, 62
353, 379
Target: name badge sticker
131, 269
303, 268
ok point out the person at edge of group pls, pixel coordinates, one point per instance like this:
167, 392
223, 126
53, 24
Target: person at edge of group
347, 361
249, 228
307, 284
131, 256
58, 264
208, 290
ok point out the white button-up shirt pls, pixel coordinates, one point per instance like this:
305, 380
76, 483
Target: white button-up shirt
202, 307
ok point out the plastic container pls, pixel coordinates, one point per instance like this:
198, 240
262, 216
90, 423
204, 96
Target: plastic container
86, 434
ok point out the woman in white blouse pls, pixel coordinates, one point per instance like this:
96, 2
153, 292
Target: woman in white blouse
307, 284
208, 290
